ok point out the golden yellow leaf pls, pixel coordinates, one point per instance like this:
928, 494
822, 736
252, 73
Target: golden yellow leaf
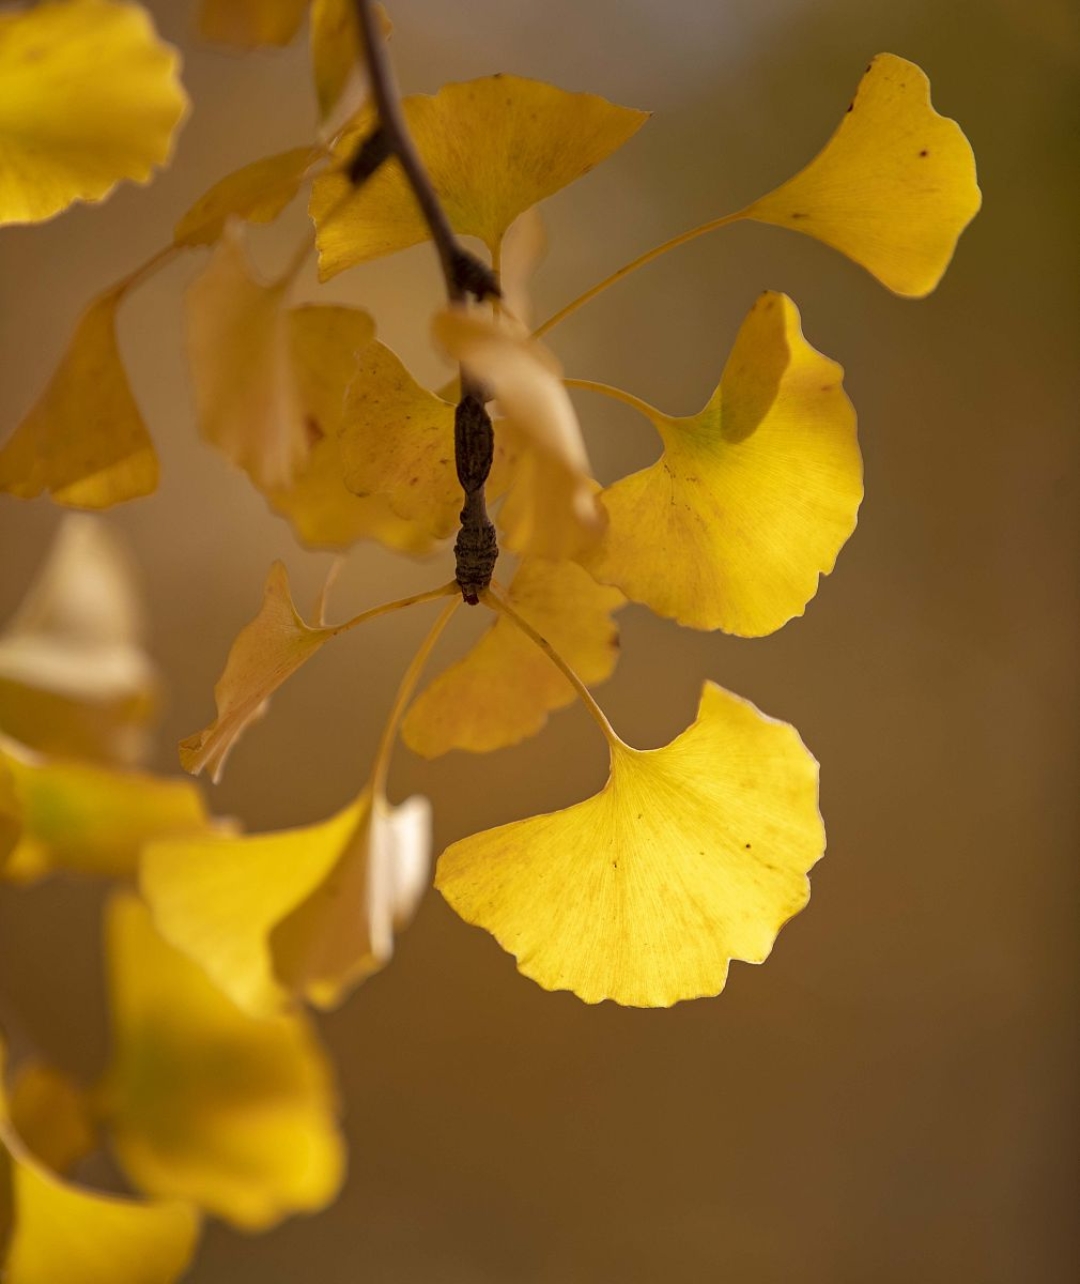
10, 814
257, 192
752, 498
60, 1232
893, 188
249, 23
326, 346
550, 510
89, 819
51, 1115
88, 96
504, 688
692, 855
302, 912
336, 51
493, 147
523, 250
208, 1104
397, 441
74, 677
245, 388
266, 652
84, 441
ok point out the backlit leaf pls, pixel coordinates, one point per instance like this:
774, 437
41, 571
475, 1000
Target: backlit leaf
493, 147
84, 441
266, 652
59, 1231
89, 819
206, 1103
550, 510
74, 677
752, 498
893, 188
397, 441
51, 1115
326, 344
245, 389
257, 193
504, 688
88, 96
689, 857
249, 23
302, 912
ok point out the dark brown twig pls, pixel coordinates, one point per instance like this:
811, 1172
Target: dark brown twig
476, 548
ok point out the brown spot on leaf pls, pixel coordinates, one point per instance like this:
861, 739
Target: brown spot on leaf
313, 431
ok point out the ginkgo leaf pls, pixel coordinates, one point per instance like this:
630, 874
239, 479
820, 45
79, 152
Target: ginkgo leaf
84, 441
492, 147
752, 498
89, 819
550, 510
523, 250
88, 96
397, 440
504, 688
303, 912
51, 1115
245, 389
326, 344
266, 652
60, 1231
257, 193
689, 857
10, 814
206, 1103
74, 677
249, 23
336, 49
893, 188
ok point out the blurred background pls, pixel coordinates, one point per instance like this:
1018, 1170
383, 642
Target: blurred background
893, 1096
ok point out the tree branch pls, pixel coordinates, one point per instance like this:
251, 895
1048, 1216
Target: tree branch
476, 548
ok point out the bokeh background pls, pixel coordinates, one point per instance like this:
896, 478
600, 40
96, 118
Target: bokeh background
893, 1096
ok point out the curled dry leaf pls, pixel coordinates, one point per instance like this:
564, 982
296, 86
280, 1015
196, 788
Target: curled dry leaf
74, 676
305, 912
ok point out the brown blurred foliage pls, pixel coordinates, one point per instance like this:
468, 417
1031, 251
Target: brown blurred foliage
893, 1096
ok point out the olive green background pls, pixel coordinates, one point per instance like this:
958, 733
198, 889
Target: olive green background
893, 1095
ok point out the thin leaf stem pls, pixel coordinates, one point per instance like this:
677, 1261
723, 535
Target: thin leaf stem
640, 262
387, 608
499, 604
617, 394
146, 270
404, 695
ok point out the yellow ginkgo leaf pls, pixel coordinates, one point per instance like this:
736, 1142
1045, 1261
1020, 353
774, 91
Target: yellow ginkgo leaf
89, 819
752, 498
51, 1115
691, 856
550, 510
245, 389
326, 347
58, 1231
266, 652
74, 677
504, 688
893, 188
10, 814
336, 51
88, 96
257, 193
397, 441
523, 250
493, 147
208, 1104
84, 441
249, 23
303, 912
